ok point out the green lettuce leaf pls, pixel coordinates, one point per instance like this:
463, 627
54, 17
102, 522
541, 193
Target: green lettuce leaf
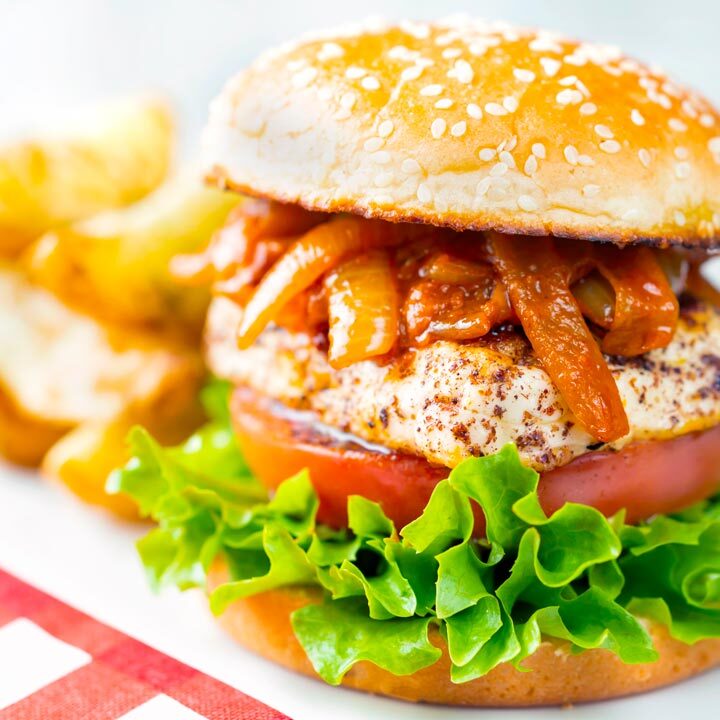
575, 576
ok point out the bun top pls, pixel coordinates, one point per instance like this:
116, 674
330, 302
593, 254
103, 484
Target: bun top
473, 125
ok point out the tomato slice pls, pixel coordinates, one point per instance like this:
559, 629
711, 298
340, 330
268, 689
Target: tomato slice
645, 478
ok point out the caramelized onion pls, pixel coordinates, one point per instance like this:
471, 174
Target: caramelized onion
701, 288
306, 260
439, 311
538, 282
595, 298
676, 268
233, 245
646, 309
446, 268
363, 306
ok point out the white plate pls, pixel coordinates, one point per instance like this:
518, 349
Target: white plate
87, 559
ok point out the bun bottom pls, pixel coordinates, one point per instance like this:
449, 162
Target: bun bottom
262, 624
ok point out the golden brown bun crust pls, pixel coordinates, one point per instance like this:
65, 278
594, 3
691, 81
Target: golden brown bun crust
262, 624
474, 126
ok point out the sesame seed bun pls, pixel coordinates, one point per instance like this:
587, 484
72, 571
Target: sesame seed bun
474, 126
262, 624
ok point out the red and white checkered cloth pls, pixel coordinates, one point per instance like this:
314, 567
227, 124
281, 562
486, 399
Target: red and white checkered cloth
57, 663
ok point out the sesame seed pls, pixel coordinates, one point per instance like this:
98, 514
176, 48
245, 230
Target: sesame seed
493, 108
688, 109
342, 114
418, 30
383, 179
444, 104
588, 108
647, 83
591, 190
544, 44
637, 117
571, 154
329, 51
677, 125
568, 80
585, 161
610, 146
458, 129
538, 150
630, 214
411, 73
487, 154
437, 129
410, 166
511, 143
462, 72
423, 193
682, 170
550, 66
355, 73
582, 87
385, 128
681, 153
373, 144
679, 218
507, 158
304, 77
714, 145
569, 97
483, 186
604, 132
527, 203
510, 104
474, 111
531, 165
399, 52
498, 169
576, 60
348, 100
325, 93
526, 76
449, 53
664, 101
370, 83
431, 90
707, 120
644, 156
381, 157
295, 65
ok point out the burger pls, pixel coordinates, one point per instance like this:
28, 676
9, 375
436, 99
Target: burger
466, 429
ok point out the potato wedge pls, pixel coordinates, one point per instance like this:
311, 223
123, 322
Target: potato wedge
24, 440
63, 368
115, 266
121, 153
84, 458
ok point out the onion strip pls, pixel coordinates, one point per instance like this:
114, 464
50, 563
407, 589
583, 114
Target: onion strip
305, 261
538, 282
363, 309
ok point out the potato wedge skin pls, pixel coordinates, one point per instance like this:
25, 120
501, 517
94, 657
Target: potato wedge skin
119, 159
71, 388
116, 266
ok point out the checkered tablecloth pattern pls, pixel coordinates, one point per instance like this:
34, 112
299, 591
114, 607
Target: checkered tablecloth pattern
57, 663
